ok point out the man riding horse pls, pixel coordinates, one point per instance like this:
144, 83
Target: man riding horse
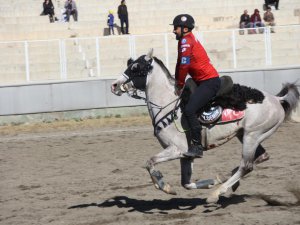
262, 114
193, 60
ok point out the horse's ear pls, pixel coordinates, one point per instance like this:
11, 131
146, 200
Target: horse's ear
129, 61
149, 54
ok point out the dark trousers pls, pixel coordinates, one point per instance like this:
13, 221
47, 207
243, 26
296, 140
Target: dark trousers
205, 91
124, 20
276, 2
74, 13
50, 13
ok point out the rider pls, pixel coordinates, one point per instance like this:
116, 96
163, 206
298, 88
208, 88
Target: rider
193, 60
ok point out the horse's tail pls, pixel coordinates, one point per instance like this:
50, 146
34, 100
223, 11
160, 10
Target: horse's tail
289, 97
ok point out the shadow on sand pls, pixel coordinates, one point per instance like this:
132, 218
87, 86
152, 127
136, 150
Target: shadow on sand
146, 206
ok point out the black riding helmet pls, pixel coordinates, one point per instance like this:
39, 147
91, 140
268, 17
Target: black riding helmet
184, 20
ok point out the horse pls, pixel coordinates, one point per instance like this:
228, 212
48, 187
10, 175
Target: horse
260, 120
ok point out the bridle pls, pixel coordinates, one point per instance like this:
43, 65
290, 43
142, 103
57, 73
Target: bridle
134, 94
136, 71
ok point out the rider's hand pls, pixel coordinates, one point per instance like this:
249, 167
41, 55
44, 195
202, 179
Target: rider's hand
177, 90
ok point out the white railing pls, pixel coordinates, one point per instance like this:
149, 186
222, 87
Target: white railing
103, 57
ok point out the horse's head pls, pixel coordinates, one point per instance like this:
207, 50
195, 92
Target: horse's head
135, 76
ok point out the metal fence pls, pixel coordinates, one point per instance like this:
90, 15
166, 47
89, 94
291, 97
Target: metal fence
106, 57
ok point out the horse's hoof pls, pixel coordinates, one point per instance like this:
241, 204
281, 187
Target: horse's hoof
262, 158
213, 198
168, 189
190, 186
220, 179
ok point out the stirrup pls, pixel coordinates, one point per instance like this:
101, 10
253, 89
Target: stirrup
194, 151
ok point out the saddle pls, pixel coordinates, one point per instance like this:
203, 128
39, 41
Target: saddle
229, 104
218, 115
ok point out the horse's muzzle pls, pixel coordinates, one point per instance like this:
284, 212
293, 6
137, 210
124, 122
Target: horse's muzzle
115, 89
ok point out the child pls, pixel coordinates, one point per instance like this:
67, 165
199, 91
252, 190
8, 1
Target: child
110, 22
63, 15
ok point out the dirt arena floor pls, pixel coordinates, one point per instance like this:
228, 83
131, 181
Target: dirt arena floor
91, 172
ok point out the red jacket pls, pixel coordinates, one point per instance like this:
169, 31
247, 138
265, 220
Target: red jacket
193, 60
255, 18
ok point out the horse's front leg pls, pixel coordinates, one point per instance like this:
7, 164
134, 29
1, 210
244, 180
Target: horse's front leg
169, 153
186, 174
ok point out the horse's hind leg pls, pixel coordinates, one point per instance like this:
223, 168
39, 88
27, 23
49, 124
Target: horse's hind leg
260, 153
260, 156
251, 149
251, 143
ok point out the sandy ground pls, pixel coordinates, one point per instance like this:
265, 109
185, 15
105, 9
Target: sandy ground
91, 172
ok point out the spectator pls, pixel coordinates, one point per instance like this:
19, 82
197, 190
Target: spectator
256, 20
48, 9
123, 16
110, 22
245, 22
275, 2
269, 18
71, 9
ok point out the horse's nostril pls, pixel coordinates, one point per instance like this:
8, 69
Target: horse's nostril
115, 85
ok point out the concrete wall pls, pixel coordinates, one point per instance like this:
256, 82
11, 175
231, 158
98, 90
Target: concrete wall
269, 80
95, 94
60, 96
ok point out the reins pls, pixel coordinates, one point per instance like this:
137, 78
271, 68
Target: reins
173, 112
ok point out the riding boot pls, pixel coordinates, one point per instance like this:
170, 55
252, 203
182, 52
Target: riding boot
196, 148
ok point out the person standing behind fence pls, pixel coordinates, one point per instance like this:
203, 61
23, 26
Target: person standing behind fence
256, 20
123, 16
71, 9
269, 18
110, 22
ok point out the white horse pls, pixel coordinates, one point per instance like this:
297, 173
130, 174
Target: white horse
260, 120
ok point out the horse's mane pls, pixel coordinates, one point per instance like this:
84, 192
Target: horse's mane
165, 69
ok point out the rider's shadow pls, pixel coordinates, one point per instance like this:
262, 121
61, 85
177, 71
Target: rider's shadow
147, 206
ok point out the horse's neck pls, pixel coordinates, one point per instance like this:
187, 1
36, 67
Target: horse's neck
160, 91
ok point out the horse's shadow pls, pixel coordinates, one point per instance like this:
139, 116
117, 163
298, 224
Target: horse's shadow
147, 206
